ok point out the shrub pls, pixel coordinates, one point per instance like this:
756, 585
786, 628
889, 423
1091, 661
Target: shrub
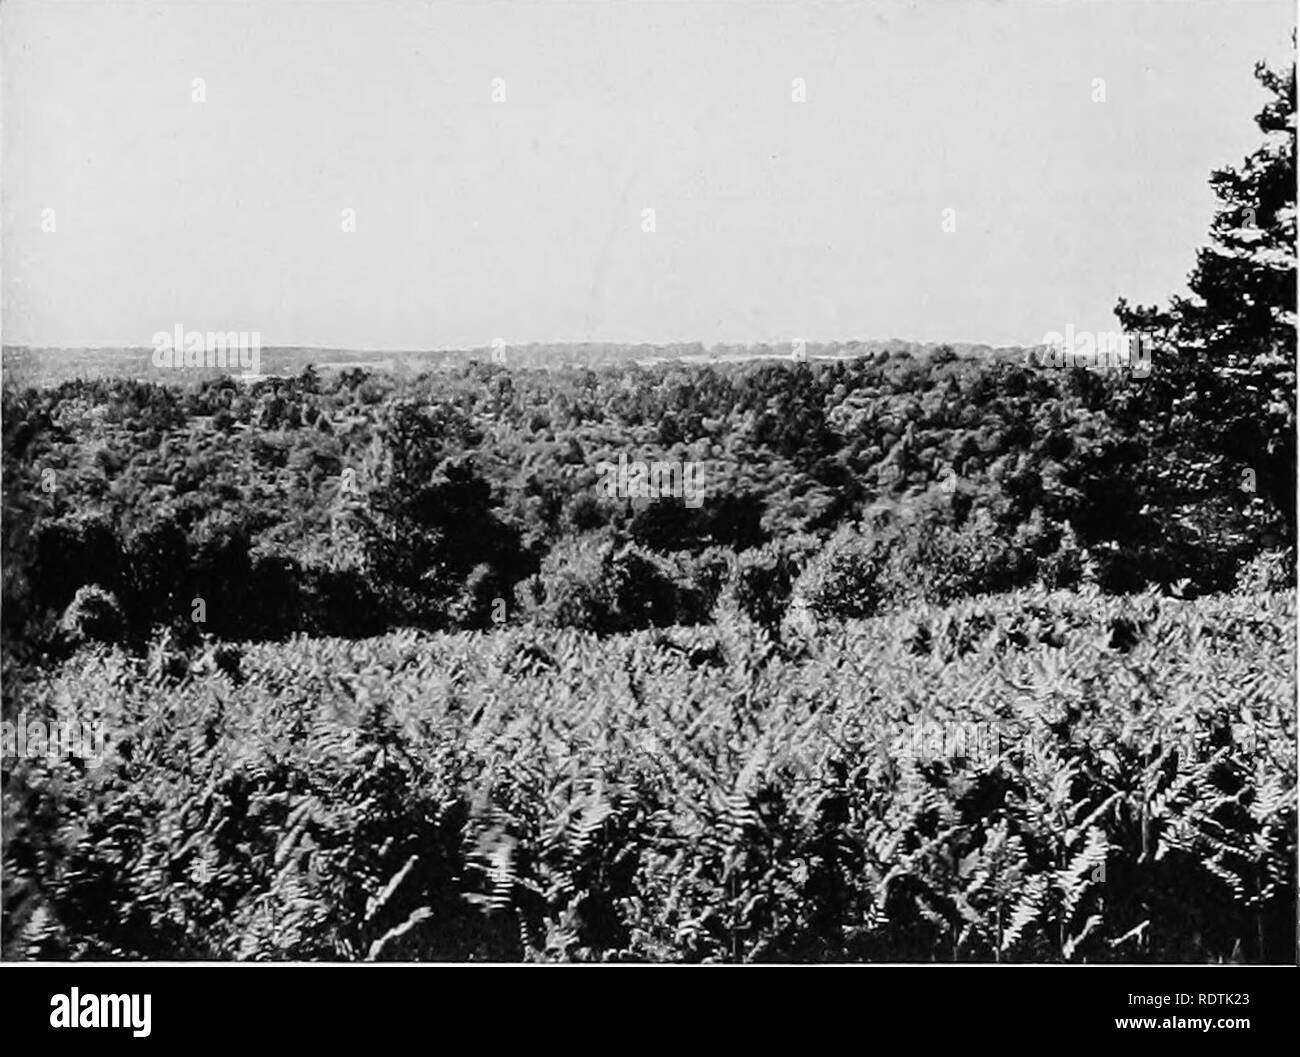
890, 561
849, 577
595, 583
1271, 570
763, 579
93, 615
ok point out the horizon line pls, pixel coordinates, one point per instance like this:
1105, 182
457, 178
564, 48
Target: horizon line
536, 342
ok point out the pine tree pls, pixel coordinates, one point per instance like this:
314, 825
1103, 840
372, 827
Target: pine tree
1221, 395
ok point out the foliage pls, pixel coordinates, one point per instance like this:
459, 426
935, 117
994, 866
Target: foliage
93, 615
1220, 401
596, 584
682, 794
431, 498
890, 560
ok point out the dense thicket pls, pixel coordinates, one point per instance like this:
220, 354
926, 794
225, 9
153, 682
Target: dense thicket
1029, 778
365, 503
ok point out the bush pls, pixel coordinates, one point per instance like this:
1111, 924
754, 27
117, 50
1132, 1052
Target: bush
849, 577
891, 561
764, 578
1272, 570
595, 583
68, 551
93, 615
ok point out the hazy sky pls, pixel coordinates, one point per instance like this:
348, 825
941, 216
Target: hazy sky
522, 220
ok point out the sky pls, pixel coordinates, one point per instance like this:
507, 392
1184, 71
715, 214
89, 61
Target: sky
1072, 143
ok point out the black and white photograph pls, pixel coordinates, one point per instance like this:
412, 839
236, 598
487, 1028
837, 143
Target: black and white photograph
676, 483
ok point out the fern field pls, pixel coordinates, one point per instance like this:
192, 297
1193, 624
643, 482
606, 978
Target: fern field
1128, 792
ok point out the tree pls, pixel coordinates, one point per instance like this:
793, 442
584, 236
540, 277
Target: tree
430, 519
1218, 409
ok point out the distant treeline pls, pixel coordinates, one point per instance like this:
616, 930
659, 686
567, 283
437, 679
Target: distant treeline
24, 365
